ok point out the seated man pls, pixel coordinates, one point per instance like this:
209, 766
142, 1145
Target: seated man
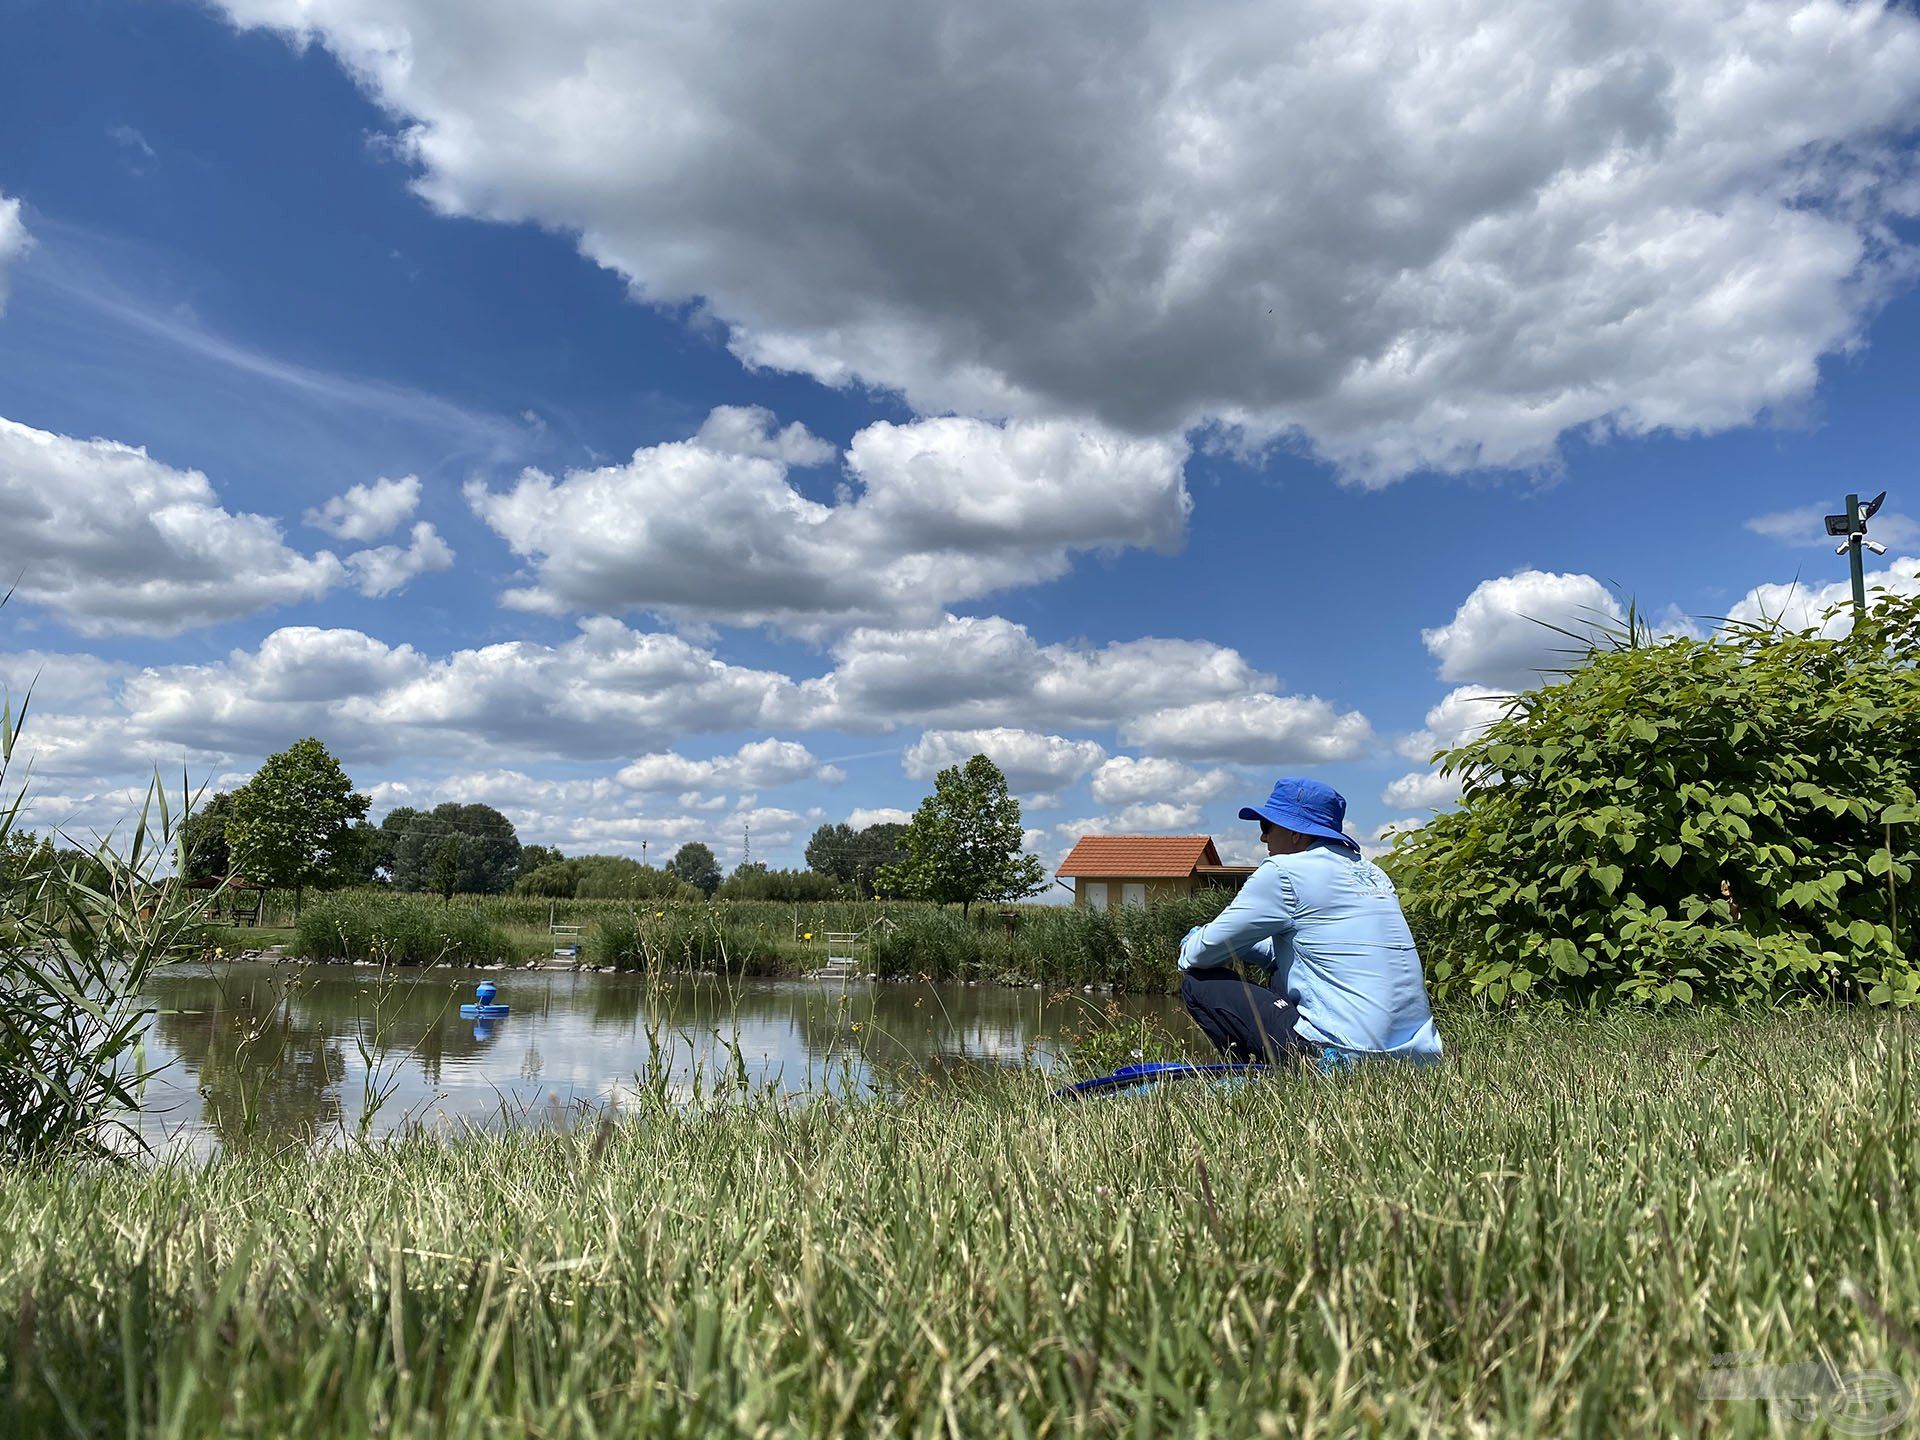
1325, 923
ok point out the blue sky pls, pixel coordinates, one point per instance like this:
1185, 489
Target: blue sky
1329, 348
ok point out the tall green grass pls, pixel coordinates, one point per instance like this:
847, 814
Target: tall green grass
391, 927
1034, 944
1556, 1232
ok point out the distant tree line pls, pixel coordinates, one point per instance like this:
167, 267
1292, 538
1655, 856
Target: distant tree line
299, 823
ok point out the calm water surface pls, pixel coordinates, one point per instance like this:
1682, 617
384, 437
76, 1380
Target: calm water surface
276, 1054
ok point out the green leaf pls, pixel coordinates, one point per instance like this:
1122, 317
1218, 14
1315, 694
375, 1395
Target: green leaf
1608, 877
1669, 855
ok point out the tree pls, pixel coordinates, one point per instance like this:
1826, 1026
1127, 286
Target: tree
204, 852
694, 863
489, 850
557, 881
831, 851
444, 872
963, 843
534, 857
292, 823
1731, 818
855, 856
879, 847
366, 857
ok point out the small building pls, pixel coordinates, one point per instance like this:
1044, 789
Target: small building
1114, 870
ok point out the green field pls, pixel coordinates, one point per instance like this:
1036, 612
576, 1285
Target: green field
1555, 1232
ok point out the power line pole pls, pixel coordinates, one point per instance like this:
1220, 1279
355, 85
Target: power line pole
746, 844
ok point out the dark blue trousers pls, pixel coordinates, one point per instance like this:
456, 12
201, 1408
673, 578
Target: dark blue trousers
1245, 1021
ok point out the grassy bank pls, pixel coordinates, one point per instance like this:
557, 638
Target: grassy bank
1553, 1233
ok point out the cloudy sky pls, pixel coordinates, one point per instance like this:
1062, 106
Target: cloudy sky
660, 421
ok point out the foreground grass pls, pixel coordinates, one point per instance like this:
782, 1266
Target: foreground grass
1554, 1233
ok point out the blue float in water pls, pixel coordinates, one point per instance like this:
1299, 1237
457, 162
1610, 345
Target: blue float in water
483, 1007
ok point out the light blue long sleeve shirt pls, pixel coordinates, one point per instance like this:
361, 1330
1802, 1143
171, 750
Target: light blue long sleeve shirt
1327, 925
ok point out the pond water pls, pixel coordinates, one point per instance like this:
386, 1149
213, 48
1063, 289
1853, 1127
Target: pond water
277, 1054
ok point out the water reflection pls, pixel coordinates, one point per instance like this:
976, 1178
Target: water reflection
281, 1054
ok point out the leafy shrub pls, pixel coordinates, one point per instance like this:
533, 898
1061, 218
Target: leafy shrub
1728, 818
394, 928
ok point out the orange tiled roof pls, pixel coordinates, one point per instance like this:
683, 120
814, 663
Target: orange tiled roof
1142, 857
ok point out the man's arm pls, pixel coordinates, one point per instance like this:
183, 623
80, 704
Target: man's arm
1244, 931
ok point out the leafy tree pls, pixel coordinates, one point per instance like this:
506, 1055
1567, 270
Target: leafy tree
1731, 818
23, 856
292, 823
367, 856
489, 850
444, 872
879, 846
694, 863
534, 857
963, 843
204, 852
555, 881
855, 856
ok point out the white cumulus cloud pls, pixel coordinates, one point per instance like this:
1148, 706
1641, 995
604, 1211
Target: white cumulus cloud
936, 511
1126, 779
1034, 763
1265, 730
879, 815
114, 541
1152, 817
1507, 632
367, 512
972, 671
1827, 608
388, 568
759, 764
1420, 235
603, 694
1462, 714
1421, 790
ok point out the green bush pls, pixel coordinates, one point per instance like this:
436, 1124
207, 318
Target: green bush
1725, 819
390, 927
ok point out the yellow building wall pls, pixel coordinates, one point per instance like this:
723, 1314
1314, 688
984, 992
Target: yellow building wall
1158, 888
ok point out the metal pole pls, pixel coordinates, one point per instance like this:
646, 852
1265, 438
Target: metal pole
1854, 529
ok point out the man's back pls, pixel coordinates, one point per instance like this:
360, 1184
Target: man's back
1328, 923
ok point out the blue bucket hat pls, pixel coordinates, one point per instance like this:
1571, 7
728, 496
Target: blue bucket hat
1305, 806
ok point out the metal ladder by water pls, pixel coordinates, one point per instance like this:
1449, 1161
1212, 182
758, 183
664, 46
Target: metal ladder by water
843, 958
565, 938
